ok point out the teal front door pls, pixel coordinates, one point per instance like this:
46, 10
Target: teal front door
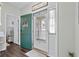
26, 34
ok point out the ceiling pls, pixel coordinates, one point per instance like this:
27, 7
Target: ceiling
20, 5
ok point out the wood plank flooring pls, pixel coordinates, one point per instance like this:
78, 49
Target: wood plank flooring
14, 51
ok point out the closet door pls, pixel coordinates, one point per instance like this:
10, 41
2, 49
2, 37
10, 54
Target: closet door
26, 34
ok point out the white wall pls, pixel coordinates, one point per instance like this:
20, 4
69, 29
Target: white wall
26, 10
77, 30
2, 27
10, 10
66, 17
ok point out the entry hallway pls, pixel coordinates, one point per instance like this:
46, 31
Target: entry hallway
39, 29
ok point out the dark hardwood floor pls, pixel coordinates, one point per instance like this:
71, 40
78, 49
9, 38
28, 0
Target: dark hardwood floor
14, 51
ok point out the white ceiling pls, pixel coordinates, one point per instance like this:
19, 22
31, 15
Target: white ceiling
20, 5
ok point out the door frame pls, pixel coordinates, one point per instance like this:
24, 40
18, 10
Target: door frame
18, 26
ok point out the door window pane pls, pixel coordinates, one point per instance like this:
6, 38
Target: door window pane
0, 15
41, 24
52, 21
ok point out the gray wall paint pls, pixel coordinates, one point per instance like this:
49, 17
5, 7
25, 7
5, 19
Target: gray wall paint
66, 17
77, 30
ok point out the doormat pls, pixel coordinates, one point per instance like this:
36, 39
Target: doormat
34, 53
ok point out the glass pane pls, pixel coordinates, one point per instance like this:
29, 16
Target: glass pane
41, 24
0, 15
52, 22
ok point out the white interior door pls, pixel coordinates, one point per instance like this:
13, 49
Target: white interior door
41, 30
